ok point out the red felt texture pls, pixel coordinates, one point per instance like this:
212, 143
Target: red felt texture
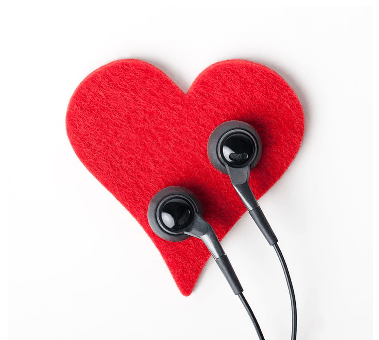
138, 133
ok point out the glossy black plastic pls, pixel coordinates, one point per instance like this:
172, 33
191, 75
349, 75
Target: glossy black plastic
171, 212
238, 149
234, 143
175, 214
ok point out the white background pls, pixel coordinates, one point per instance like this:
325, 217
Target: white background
80, 267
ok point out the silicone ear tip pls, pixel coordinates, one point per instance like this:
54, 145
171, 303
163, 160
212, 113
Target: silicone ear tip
217, 134
154, 203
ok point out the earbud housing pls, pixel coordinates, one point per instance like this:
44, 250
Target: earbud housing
175, 214
235, 144
234, 148
171, 212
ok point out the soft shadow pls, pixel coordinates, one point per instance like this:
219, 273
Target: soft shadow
173, 74
294, 84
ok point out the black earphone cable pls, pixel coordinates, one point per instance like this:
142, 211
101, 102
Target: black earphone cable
291, 293
252, 316
290, 289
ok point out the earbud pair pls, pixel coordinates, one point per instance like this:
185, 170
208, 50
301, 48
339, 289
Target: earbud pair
175, 214
234, 148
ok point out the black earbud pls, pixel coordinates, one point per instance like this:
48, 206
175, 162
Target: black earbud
234, 148
175, 214
234, 144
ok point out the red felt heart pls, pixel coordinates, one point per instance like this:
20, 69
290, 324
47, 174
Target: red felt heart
137, 133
